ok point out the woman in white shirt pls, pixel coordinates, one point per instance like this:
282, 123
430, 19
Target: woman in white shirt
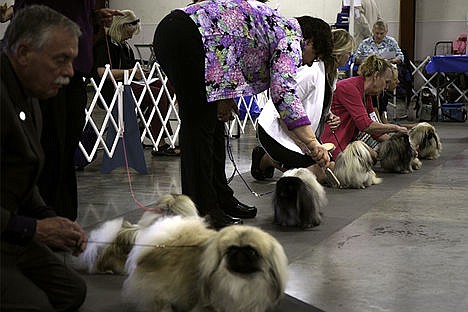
315, 84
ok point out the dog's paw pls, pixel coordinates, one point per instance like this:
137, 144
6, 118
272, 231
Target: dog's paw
416, 164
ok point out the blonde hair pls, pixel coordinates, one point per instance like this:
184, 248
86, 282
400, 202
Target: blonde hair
374, 64
342, 42
121, 24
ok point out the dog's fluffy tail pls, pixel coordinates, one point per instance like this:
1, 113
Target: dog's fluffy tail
170, 205
98, 241
374, 178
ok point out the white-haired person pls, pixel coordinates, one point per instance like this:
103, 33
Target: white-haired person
380, 44
353, 104
36, 62
280, 149
114, 49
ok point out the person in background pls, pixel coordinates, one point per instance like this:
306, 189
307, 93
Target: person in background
381, 109
380, 44
6, 10
226, 49
279, 148
35, 63
352, 103
64, 114
365, 16
384, 46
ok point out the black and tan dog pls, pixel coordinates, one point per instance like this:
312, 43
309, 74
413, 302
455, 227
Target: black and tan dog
298, 199
397, 154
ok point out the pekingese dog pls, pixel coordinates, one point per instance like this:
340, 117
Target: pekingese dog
426, 140
353, 167
298, 199
397, 154
179, 264
110, 244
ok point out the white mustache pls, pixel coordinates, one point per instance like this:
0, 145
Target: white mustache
62, 80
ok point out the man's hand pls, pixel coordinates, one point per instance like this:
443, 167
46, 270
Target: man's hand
104, 16
225, 109
61, 233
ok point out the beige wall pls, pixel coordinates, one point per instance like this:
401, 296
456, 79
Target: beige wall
436, 20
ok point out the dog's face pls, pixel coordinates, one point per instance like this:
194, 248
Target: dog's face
295, 205
243, 260
426, 140
397, 153
287, 210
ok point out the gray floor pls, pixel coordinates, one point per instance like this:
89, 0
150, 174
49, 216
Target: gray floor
398, 246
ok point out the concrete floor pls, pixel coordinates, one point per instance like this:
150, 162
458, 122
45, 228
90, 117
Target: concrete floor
398, 246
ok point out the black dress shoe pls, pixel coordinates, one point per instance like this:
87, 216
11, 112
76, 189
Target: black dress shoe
240, 210
255, 171
220, 220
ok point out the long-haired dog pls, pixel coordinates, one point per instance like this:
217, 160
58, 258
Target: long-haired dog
179, 264
298, 199
397, 154
353, 166
424, 136
110, 244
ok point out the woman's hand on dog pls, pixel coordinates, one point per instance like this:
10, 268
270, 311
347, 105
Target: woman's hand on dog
319, 154
401, 129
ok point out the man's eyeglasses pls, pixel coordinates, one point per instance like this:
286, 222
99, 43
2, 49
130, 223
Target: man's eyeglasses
134, 23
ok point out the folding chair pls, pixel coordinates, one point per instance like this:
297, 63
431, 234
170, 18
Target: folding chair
443, 47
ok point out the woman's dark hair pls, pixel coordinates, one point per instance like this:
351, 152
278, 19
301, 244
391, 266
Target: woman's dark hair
319, 32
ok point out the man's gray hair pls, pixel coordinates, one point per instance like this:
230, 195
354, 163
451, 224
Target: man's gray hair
33, 24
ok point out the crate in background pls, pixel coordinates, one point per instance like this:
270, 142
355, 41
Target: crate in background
453, 112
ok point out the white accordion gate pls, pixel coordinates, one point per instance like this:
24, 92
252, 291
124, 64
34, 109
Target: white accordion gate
99, 113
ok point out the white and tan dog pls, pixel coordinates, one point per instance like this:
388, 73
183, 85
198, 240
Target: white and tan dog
298, 199
179, 264
354, 167
426, 140
110, 244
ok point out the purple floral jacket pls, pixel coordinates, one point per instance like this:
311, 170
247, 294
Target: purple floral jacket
249, 48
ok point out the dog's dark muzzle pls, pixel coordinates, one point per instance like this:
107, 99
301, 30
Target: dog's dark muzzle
244, 260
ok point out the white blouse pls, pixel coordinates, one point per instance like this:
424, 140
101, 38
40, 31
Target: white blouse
310, 89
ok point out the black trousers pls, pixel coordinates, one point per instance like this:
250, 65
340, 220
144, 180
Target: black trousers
35, 279
63, 120
180, 52
287, 158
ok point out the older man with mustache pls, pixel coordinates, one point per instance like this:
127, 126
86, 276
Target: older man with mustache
35, 63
